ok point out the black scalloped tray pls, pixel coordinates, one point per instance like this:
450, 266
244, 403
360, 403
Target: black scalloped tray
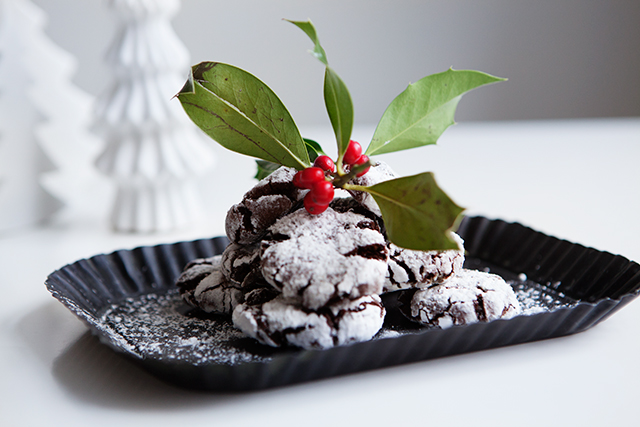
128, 299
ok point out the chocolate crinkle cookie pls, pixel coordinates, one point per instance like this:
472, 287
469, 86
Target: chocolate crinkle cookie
218, 284
420, 269
320, 259
203, 285
468, 297
283, 321
270, 199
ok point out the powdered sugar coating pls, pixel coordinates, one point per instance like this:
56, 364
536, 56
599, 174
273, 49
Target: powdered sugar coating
317, 259
468, 297
261, 206
379, 172
283, 321
420, 269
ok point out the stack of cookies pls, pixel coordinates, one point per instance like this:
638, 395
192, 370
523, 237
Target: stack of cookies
314, 281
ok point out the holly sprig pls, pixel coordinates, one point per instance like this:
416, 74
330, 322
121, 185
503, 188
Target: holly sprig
244, 115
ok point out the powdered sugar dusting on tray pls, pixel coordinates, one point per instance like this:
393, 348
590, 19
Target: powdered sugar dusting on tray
535, 298
156, 326
160, 326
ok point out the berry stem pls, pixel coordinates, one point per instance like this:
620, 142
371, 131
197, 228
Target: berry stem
339, 167
342, 180
354, 187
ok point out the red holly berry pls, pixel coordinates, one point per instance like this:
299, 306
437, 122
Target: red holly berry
307, 177
352, 153
322, 192
312, 207
296, 179
325, 163
362, 160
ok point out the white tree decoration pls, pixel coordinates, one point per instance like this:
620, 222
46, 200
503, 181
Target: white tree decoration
153, 152
41, 113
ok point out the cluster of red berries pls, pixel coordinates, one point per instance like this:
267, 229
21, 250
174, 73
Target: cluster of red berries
318, 179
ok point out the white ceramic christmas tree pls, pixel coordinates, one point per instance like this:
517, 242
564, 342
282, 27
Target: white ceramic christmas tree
152, 151
41, 115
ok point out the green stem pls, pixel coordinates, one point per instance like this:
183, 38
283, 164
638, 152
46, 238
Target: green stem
354, 187
342, 180
339, 167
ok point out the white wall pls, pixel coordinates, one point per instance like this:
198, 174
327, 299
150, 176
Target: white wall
564, 59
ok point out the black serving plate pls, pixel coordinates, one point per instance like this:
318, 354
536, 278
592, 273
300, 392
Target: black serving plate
129, 300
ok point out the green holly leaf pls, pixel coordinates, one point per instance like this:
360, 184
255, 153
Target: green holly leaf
336, 95
310, 30
340, 108
420, 114
417, 213
264, 169
313, 149
242, 114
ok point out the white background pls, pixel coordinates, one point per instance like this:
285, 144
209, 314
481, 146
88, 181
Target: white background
564, 59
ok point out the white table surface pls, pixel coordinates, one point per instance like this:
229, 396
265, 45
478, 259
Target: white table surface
576, 180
